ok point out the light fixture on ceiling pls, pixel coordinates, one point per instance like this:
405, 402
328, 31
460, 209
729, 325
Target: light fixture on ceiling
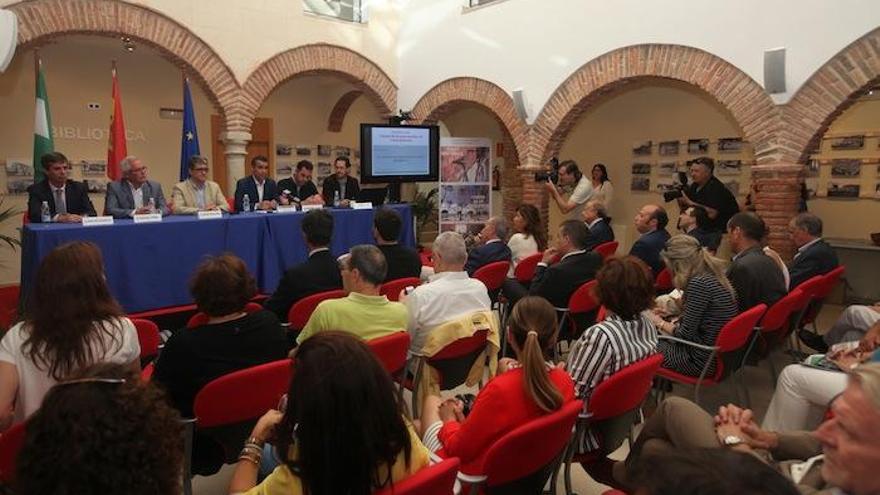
127, 44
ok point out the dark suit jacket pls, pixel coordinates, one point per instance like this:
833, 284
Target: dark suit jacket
485, 254
817, 259
756, 278
556, 283
318, 274
76, 196
648, 248
403, 262
708, 239
248, 186
119, 201
307, 190
331, 185
600, 234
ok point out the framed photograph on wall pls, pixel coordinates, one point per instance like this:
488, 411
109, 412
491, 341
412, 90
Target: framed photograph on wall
728, 167
640, 184
283, 169
303, 150
855, 142
18, 185
667, 168
96, 185
668, 148
843, 190
283, 149
94, 167
698, 146
663, 187
730, 145
846, 167
643, 148
325, 150
19, 168
641, 168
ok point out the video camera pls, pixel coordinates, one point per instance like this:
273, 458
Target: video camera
679, 184
552, 175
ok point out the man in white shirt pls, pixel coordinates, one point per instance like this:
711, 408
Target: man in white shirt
449, 293
570, 175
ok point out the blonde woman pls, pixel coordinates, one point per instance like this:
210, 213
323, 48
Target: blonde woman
709, 302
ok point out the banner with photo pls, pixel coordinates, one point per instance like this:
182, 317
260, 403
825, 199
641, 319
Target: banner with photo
465, 184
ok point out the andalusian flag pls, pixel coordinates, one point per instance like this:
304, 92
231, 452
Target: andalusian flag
42, 123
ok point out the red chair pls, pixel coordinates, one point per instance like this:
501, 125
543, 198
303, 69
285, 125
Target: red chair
427, 257
302, 310
9, 297
453, 364
601, 314
147, 372
262, 386
231, 203
607, 249
507, 470
148, 338
619, 395
391, 351
778, 323
727, 353
391, 289
818, 288
200, 319
437, 479
493, 274
663, 282
11, 443
525, 269
580, 304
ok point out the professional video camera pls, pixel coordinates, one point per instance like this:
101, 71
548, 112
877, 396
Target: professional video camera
679, 184
552, 175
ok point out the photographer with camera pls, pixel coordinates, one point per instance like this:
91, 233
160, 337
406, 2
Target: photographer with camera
707, 191
569, 175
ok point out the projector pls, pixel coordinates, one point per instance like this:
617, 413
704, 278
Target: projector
8, 37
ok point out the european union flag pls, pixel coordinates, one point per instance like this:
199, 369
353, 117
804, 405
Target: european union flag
190, 140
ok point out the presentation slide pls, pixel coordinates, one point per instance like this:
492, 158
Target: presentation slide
400, 151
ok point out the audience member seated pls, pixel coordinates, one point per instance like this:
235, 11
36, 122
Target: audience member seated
131, 195
342, 429
449, 293
260, 189
529, 237
70, 322
626, 288
102, 431
319, 273
651, 223
492, 247
363, 312
68, 200
524, 389
197, 193
403, 261
598, 222
851, 325
299, 189
340, 182
803, 393
850, 440
755, 276
814, 256
693, 221
709, 302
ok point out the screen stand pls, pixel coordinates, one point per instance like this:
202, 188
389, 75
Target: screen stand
394, 192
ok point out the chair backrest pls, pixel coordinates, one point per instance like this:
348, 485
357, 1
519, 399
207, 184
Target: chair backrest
582, 300
606, 249
436, 479
813, 286
493, 274
148, 338
391, 350
391, 289
543, 438
9, 297
231, 203
147, 372
301, 311
454, 361
11, 443
601, 314
242, 395
625, 390
735, 334
830, 280
525, 269
200, 318
663, 282
778, 315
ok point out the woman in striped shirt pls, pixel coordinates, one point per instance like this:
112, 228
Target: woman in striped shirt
709, 303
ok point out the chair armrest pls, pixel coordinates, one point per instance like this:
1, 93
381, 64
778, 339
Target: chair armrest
286, 325
689, 343
473, 480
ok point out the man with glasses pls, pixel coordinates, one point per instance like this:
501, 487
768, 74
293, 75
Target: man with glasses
134, 194
299, 189
197, 193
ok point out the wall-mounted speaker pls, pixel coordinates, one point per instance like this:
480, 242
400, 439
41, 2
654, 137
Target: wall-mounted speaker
520, 104
774, 70
8, 37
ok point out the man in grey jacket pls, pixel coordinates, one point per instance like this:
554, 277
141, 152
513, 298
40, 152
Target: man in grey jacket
132, 194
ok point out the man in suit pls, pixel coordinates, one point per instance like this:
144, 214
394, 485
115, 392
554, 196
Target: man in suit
754, 275
693, 221
599, 224
260, 189
403, 261
557, 282
68, 200
131, 195
493, 248
299, 189
341, 181
814, 256
651, 222
319, 273
197, 193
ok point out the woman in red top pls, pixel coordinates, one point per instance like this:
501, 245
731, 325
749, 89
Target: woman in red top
525, 392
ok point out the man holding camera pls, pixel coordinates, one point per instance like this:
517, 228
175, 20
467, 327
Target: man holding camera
707, 191
570, 174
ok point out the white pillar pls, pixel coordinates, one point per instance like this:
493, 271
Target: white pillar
236, 152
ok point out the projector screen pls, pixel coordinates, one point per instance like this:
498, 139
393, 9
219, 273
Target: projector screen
399, 153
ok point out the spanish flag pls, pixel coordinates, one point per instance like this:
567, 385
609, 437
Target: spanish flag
116, 150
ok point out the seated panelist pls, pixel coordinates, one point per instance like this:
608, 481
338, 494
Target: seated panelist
197, 193
260, 189
68, 200
131, 195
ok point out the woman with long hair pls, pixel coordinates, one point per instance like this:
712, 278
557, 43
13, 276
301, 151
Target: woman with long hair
529, 237
70, 322
708, 303
343, 431
602, 188
532, 387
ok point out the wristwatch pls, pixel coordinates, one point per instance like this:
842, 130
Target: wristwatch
732, 440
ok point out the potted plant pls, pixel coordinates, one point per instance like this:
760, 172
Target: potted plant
424, 207
6, 214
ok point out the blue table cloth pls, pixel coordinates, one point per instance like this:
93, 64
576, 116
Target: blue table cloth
148, 266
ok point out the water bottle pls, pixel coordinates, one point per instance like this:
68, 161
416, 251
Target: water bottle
246, 203
152, 205
336, 198
45, 213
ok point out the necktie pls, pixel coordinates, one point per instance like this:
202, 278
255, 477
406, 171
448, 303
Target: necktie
60, 206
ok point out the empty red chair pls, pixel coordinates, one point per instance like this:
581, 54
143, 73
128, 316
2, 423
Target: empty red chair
777, 324
148, 338
818, 288
606, 249
663, 282
391, 289
391, 351
11, 442
200, 319
580, 304
437, 479
493, 274
302, 310
525, 269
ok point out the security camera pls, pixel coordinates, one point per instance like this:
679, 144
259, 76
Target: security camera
8, 37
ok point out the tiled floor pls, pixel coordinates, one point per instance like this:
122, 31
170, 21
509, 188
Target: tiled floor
757, 379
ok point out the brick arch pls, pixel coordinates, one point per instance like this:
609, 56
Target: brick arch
750, 105
41, 20
832, 89
319, 58
337, 115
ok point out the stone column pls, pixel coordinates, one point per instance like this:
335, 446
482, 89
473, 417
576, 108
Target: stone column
777, 200
236, 152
